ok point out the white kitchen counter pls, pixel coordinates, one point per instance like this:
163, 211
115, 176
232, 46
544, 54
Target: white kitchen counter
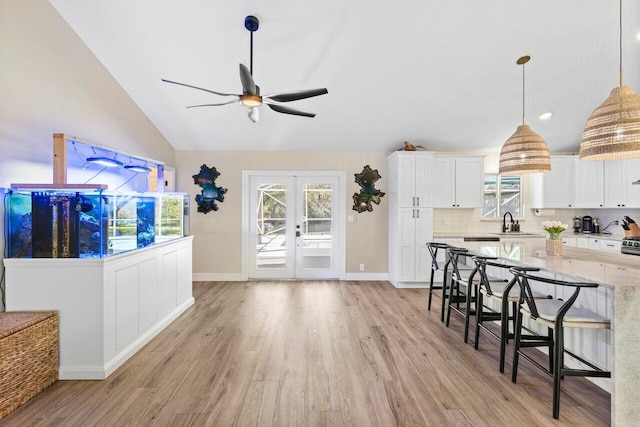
619, 273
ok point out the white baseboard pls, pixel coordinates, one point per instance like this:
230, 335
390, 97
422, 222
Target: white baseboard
411, 285
367, 276
217, 277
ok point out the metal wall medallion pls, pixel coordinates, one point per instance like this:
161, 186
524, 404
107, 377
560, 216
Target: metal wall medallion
368, 194
206, 179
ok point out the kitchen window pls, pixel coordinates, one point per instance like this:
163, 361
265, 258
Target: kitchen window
502, 193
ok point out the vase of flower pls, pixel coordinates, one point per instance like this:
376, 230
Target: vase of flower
553, 244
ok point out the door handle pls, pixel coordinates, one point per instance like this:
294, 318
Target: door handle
417, 213
297, 234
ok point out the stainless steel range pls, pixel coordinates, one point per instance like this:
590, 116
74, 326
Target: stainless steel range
631, 245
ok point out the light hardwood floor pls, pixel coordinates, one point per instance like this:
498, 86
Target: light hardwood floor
316, 353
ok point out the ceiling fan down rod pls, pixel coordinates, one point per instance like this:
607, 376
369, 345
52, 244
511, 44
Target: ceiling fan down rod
252, 24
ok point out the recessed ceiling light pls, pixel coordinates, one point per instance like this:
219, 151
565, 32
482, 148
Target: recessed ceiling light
638, 36
545, 116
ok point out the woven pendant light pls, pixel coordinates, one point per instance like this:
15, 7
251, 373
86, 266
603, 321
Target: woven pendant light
613, 129
525, 151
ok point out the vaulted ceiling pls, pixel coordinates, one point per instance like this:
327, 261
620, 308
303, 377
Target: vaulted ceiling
441, 74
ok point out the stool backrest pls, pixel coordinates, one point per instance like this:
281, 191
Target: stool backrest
433, 250
454, 256
526, 295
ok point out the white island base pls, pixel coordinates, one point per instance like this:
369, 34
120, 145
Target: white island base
108, 308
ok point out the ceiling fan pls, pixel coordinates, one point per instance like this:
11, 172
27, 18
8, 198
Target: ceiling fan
251, 97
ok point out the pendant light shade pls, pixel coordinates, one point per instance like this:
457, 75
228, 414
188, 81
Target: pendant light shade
525, 151
613, 129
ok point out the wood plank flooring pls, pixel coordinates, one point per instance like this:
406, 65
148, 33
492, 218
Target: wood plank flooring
315, 353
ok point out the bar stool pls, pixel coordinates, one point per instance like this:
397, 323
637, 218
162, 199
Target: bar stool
433, 250
555, 315
504, 293
451, 288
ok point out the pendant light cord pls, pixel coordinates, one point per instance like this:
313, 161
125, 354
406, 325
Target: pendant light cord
620, 36
523, 93
251, 58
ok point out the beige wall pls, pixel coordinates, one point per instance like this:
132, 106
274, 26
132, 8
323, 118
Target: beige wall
218, 235
50, 82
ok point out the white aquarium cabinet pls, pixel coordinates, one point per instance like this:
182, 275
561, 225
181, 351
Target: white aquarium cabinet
109, 307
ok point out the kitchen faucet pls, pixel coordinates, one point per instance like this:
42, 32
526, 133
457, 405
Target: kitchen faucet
504, 222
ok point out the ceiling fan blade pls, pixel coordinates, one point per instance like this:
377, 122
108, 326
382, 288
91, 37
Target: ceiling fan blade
287, 110
214, 105
199, 88
294, 96
248, 85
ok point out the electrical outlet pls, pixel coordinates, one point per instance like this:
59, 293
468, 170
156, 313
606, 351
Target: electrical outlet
361, 267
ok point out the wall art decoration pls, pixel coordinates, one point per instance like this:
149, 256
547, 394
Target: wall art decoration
206, 179
368, 194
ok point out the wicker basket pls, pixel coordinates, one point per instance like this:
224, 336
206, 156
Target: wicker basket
28, 356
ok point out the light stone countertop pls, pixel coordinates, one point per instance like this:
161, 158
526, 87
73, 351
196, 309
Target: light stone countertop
609, 269
523, 235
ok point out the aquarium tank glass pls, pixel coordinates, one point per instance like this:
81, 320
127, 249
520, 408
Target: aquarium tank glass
90, 224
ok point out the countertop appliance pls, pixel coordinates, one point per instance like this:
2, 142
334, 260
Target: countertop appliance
587, 224
631, 245
577, 225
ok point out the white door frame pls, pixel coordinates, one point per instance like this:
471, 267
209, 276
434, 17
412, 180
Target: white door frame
341, 215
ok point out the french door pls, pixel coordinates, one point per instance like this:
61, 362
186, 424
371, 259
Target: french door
295, 230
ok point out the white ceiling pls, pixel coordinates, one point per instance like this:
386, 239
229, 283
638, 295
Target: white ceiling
441, 74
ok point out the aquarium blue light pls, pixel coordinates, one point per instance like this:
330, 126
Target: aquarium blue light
138, 168
105, 161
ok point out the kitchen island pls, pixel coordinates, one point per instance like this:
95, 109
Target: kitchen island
618, 297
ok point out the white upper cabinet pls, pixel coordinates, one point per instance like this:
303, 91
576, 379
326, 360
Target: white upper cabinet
618, 178
458, 182
412, 170
556, 188
589, 184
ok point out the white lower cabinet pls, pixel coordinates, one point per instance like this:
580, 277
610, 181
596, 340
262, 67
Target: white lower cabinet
409, 258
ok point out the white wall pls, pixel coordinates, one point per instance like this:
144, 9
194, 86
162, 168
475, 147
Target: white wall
51, 83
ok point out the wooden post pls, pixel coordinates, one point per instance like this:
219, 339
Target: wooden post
59, 160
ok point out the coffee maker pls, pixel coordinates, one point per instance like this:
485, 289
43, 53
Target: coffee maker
587, 224
577, 225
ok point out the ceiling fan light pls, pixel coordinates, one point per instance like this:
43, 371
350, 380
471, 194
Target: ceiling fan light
254, 114
105, 161
613, 129
524, 152
250, 101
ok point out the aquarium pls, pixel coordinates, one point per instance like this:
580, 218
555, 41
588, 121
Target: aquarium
91, 224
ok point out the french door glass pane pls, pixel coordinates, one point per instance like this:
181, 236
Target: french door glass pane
272, 226
317, 226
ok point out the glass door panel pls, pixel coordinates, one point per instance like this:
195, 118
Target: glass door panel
272, 242
315, 226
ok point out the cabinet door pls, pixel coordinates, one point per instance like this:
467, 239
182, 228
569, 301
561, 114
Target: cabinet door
614, 188
423, 180
407, 249
558, 184
632, 174
424, 235
444, 182
406, 181
589, 191
470, 182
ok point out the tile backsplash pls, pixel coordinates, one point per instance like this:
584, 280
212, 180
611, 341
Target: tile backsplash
468, 220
